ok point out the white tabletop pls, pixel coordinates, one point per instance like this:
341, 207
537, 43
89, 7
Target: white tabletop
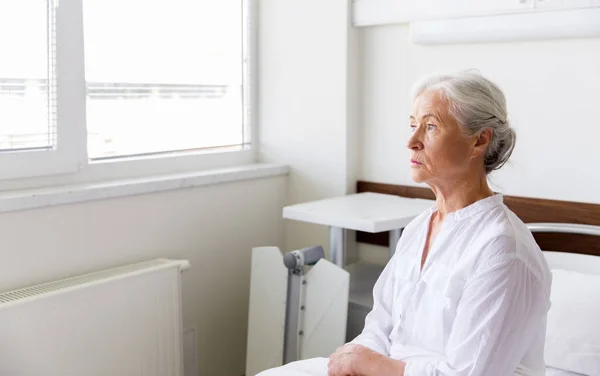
369, 212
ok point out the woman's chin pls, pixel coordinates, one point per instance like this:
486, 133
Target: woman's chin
418, 176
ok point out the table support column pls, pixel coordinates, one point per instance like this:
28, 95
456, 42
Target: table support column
394, 237
336, 246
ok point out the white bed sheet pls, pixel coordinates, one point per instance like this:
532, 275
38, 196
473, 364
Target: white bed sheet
308, 367
318, 367
559, 372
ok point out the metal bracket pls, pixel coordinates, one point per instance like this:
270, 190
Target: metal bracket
295, 308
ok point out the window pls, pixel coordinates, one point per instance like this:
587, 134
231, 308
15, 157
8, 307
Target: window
85, 82
167, 79
27, 106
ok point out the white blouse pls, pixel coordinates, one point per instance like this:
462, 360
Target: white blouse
477, 308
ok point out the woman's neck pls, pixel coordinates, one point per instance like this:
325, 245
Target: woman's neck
458, 194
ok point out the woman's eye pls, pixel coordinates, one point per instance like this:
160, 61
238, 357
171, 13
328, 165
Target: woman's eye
413, 127
430, 127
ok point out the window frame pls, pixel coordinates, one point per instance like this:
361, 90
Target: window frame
68, 162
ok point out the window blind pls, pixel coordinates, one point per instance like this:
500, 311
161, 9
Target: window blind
27, 75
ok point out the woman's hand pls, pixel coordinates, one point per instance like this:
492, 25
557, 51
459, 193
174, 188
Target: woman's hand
348, 360
357, 360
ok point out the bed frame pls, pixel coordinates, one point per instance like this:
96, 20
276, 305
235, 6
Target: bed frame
583, 263
563, 228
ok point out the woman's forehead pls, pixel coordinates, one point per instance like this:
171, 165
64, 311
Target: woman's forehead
429, 103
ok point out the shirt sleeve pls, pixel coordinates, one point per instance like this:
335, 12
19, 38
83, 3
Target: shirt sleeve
496, 321
379, 321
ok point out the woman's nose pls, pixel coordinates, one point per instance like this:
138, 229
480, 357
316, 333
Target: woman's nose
414, 142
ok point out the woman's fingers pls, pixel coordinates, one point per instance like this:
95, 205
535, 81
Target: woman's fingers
337, 364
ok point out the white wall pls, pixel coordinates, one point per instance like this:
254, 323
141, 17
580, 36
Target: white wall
552, 93
214, 227
307, 113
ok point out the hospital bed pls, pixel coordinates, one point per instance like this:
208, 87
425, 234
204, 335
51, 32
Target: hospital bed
573, 331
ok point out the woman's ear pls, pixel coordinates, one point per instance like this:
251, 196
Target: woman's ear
482, 141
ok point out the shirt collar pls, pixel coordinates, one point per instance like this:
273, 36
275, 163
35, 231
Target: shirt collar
476, 207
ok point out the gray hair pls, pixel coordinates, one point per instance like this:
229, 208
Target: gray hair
476, 103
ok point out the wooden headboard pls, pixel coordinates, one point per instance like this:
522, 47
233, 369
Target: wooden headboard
530, 210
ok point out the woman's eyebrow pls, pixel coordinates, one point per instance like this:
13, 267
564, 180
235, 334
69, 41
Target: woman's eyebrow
432, 115
426, 116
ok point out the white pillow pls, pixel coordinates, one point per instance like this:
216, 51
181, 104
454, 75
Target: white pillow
573, 331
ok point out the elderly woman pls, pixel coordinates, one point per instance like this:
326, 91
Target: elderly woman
467, 291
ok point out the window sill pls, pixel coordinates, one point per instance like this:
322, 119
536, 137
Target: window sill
69, 194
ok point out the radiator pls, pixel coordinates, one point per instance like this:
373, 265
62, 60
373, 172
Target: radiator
124, 321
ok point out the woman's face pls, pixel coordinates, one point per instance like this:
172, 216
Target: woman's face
440, 151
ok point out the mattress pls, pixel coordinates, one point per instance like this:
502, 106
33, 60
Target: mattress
559, 372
